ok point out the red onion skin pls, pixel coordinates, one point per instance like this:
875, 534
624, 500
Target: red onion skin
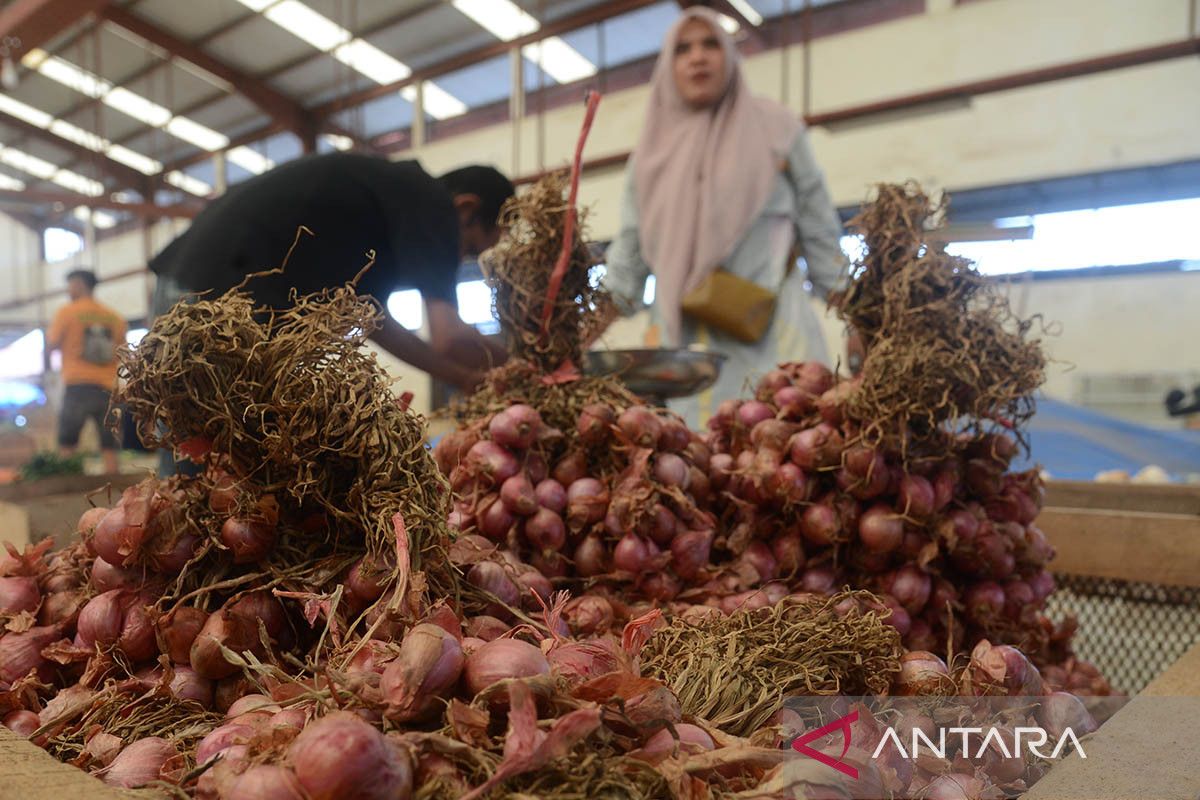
86, 526
671, 470
115, 540
61, 608
500, 659
632, 554
916, 498
880, 530
252, 704
452, 447
367, 580
589, 615
819, 580
170, 554
187, 685
587, 502
492, 462
177, 630
570, 468
661, 525
496, 520
640, 425
262, 606
675, 436
552, 495
691, 740
340, 757
140, 763
265, 782
517, 495
920, 636
234, 631
595, 423
22, 722
491, 577
922, 673
772, 434
550, 563
659, 586
698, 485
788, 549
249, 540
545, 530
137, 640
911, 586
530, 582
18, 594
1042, 584
752, 412
486, 628
515, 427
720, 467
985, 601
1061, 710
429, 664
690, 552
100, 620
820, 524
591, 557
758, 556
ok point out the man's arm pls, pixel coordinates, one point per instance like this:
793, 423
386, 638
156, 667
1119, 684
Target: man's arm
454, 339
54, 336
409, 348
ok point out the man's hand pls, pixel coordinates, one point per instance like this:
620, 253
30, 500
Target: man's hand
856, 351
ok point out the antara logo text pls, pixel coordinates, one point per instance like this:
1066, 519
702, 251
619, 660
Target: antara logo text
975, 742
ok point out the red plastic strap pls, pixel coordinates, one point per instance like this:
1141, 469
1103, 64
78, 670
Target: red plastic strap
564, 257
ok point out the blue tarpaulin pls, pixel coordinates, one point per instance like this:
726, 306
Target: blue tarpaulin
1074, 443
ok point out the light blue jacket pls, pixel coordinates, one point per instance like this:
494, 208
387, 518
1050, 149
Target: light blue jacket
797, 210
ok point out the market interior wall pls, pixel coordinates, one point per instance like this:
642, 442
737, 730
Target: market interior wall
1132, 117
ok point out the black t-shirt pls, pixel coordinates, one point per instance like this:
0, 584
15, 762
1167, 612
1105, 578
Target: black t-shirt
352, 203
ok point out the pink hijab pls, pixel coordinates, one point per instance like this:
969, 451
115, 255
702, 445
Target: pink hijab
702, 175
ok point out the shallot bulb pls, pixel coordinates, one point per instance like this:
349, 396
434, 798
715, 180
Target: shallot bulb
552, 495
429, 663
589, 615
21, 722
491, 461
640, 425
140, 763
178, 629
341, 757
249, 540
587, 501
923, 673
18, 594
516, 427
265, 782
595, 423
501, 659
518, 496
687, 739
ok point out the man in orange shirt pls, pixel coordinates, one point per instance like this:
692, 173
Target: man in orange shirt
87, 333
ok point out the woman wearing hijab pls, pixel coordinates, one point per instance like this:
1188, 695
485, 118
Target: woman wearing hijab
723, 179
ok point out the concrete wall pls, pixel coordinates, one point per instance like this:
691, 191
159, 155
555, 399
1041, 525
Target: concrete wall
1132, 117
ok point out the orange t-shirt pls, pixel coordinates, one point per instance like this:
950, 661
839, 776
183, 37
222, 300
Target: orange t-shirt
86, 332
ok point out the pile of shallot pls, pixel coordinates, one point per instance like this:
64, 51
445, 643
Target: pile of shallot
620, 500
948, 542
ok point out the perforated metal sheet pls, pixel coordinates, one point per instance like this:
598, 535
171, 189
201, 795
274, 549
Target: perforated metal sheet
1130, 631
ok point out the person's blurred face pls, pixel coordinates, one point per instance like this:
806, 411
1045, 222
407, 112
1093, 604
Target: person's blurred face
474, 235
699, 65
77, 288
